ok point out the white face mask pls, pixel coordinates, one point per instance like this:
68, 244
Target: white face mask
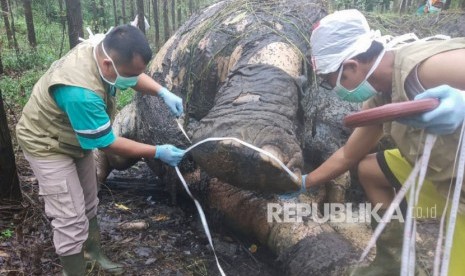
120, 82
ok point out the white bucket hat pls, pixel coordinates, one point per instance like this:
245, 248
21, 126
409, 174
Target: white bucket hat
338, 37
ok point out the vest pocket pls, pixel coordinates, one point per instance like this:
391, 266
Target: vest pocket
58, 201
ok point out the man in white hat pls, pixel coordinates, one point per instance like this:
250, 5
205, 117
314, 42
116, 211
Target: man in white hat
350, 61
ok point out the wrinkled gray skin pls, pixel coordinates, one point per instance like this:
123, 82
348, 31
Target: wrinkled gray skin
245, 74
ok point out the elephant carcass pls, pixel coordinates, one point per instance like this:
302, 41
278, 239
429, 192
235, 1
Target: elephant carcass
241, 68
242, 73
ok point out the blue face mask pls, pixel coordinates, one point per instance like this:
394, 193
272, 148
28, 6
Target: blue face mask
120, 82
363, 91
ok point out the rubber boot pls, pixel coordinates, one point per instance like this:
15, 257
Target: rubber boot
387, 261
94, 251
73, 265
388, 257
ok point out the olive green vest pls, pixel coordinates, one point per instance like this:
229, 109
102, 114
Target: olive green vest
44, 130
410, 141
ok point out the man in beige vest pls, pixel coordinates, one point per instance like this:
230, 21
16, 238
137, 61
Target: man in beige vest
67, 116
350, 61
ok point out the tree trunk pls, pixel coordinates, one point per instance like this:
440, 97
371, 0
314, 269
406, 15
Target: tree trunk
179, 13
148, 8
123, 11
115, 13
191, 7
13, 31
31, 35
156, 23
141, 15
9, 182
63, 27
6, 21
132, 9
102, 14
95, 18
1, 63
74, 16
173, 14
166, 20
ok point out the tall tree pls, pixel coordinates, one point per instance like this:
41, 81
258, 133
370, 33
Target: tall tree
115, 13
148, 8
63, 26
31, 34
166, 21
1, 62
6, 22
101, 14
13, 31
123, 11
141, 15
132, 9
95, 16
74, 16
173, 14
9, 182
156, 23
179, 13
191, 7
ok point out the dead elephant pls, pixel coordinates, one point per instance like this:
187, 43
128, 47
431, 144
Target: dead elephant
242, 69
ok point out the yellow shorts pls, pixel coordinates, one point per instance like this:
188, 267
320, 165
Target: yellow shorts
430, 204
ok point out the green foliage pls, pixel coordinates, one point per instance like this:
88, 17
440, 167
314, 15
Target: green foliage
17, 88
123, 98
23, 67
6, 234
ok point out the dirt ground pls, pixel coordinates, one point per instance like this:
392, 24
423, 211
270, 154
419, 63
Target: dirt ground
171, 240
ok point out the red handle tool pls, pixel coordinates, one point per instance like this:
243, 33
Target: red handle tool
389, 112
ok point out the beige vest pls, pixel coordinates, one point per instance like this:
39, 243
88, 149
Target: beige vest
44, 130
410, 141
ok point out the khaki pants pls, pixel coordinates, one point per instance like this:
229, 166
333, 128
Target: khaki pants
69, 189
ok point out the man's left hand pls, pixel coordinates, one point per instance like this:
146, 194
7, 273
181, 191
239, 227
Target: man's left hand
445, 118
173, 102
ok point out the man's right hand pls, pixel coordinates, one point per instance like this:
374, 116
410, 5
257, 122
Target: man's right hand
169, 154
173, 102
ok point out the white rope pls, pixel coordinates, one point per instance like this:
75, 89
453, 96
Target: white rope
408, 250
396, 201
202, 218
408, 247
390, 211
438, 251
454, 207
250, 146
197, 204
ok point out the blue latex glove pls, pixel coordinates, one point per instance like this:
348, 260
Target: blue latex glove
303, 189
445, 118
169, 154
173, 102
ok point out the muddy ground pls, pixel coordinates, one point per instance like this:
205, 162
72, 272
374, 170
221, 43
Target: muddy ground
172, 241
